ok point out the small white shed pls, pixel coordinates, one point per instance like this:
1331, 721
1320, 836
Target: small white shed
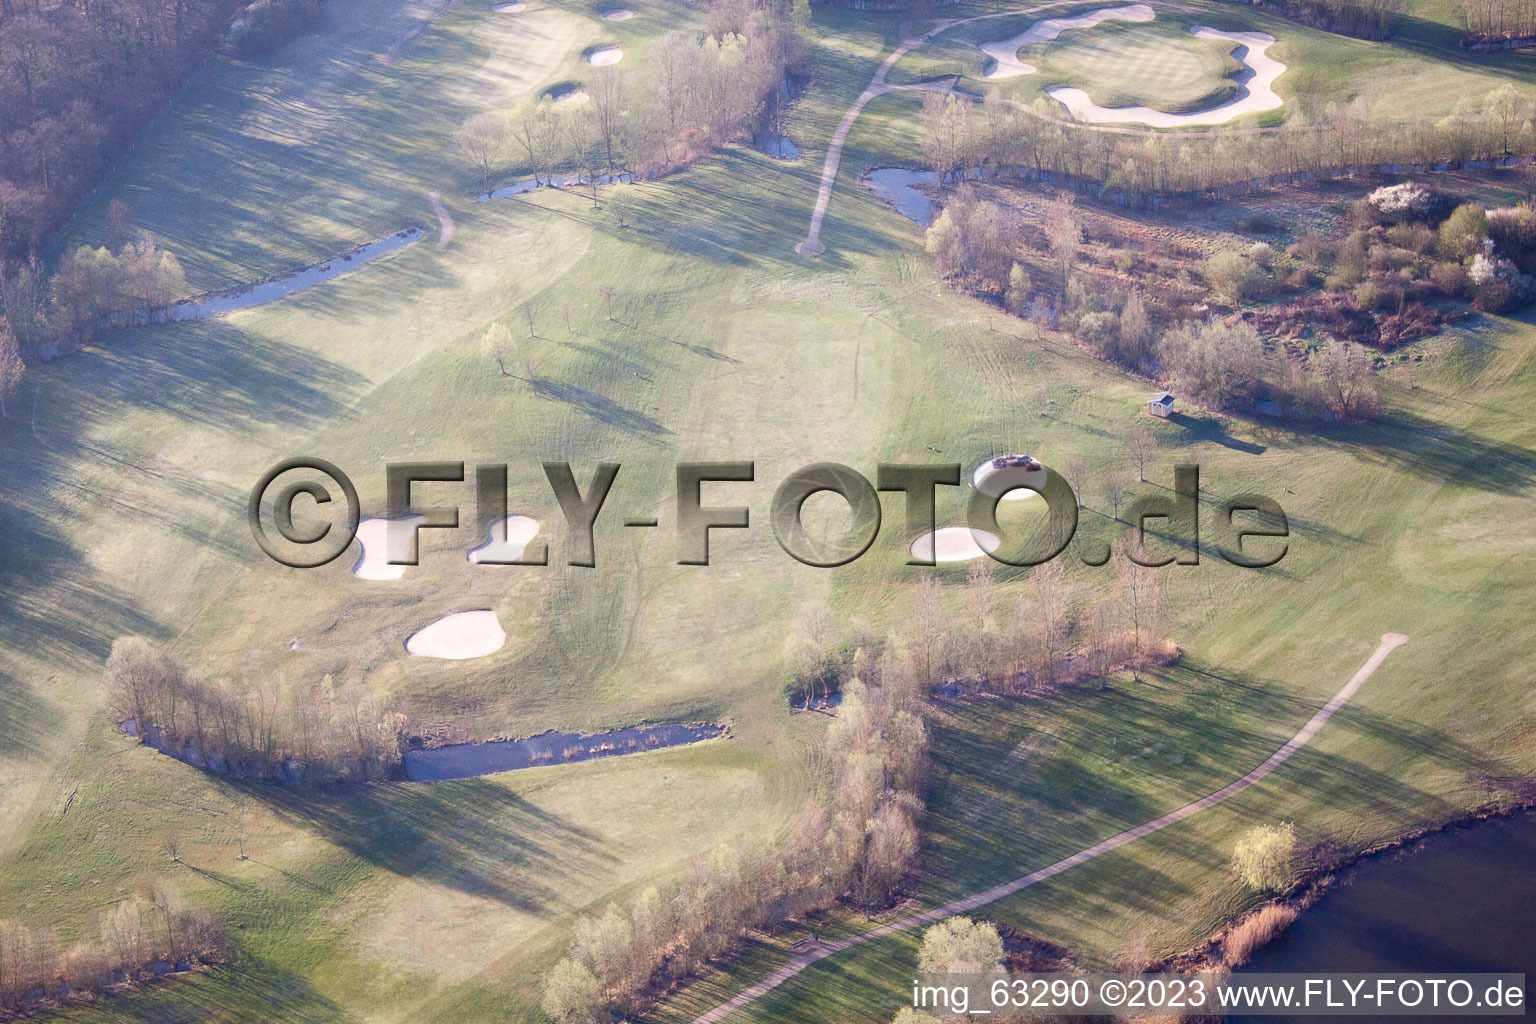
1161, 406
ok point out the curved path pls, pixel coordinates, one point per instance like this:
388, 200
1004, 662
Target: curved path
444, 222
1389, 643
877, 86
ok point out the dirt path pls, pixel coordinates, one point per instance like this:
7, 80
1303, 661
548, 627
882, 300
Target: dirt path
444, 222
1389, 643
394, 51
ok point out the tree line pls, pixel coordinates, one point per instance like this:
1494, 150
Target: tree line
695, 94
1363, 19
854, 843
265, 728
132, 936
79, 78
1035, 142
49, 314
1497, 20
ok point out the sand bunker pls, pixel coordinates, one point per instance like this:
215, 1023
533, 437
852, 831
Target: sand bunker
459, 636
618, 14
607, 55
995, 479
510, 8
1005, 52
373, 535
954, 544
1257, 92
507, 541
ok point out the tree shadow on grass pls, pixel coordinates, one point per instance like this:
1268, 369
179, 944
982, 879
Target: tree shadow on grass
472, 835
601, 407
249, 988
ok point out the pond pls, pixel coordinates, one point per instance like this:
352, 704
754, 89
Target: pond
1461, 901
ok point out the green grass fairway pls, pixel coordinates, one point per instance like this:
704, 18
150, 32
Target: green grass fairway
1422, 69
124, 473
1157, 64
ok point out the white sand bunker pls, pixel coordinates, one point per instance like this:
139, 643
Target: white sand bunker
1005, 476
567, 96
373, 535
1256, 94
510, 8
618, 14
507, 541
606, 55
460, 636
1005, 52
954, 544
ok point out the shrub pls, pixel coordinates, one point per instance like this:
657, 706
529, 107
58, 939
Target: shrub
1402, 202
1234, 276
1254, 932
1099, 329
1513, 231
1462, 234
1217, 363
1449, 279
1265, 856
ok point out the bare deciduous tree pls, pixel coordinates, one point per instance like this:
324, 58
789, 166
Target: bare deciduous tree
1142, 444
481, 138
530, 310
1114, 484
1077, 476
605, 292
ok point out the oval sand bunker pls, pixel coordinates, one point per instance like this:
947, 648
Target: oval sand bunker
373, 535
510, 8
997, 479
507, 541
459, 636
954, 544
607, 55
619, 14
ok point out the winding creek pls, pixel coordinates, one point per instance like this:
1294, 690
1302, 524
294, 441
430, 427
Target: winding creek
471, 760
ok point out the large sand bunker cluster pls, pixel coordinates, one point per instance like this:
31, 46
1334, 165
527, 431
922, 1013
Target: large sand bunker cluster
1256, 81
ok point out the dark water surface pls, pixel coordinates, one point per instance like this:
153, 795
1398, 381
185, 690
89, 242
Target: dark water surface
1462, 901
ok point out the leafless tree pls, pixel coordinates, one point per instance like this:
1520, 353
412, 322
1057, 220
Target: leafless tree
530, 315
1143, 444
1139, 596
1077, 476
481, 137
605, 292
10, 365
1114, 484
1065, 235
607, 88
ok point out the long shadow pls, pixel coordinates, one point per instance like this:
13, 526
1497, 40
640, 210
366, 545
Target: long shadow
1208, 428
1434, 451
471, 835
22, 717
250, 988
601, 407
